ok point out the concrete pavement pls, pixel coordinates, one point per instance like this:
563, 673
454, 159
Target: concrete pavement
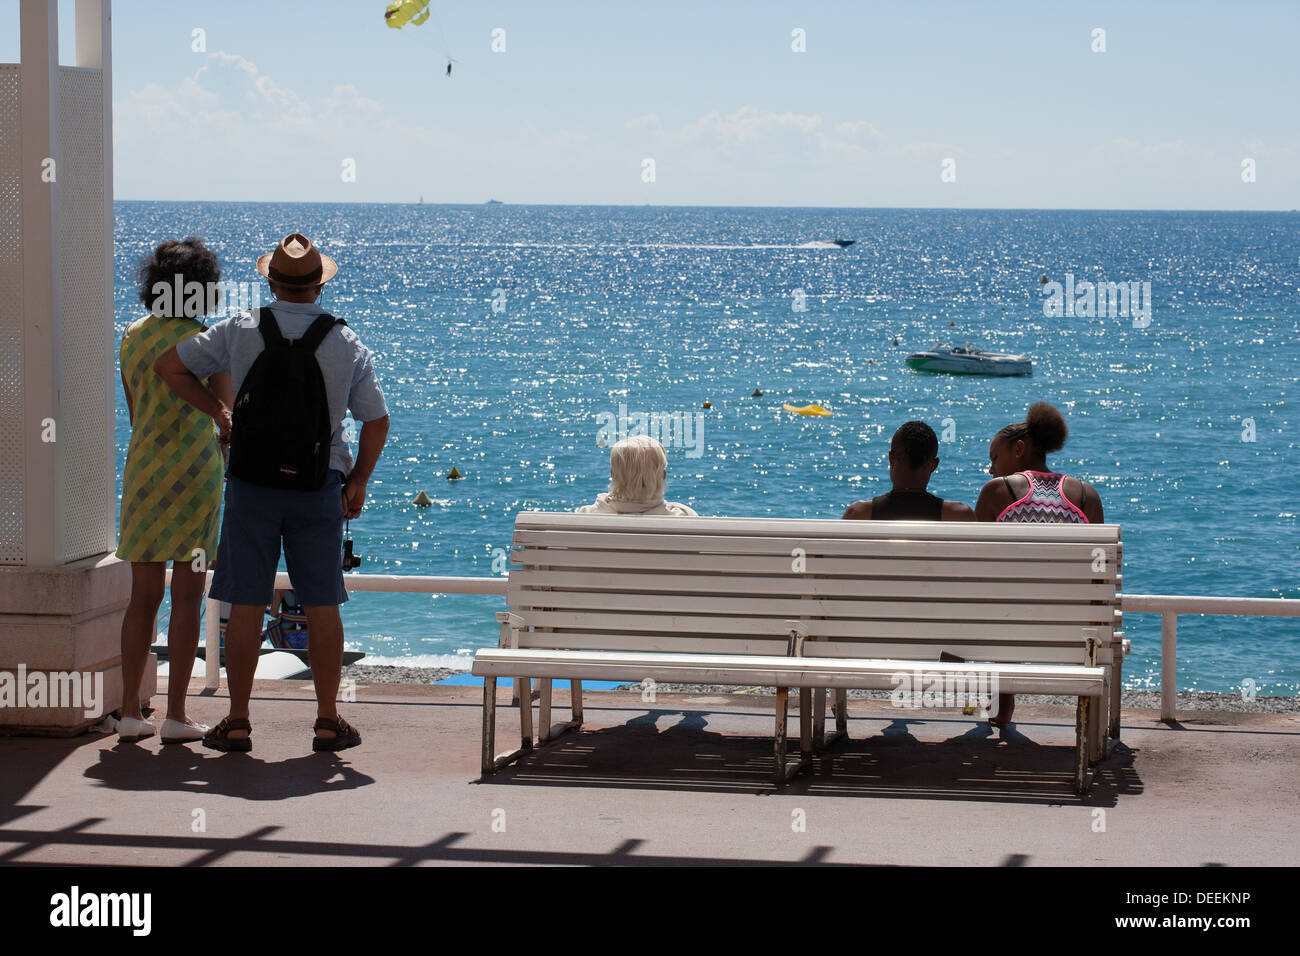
685, 780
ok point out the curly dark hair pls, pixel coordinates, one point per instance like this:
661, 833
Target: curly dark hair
174, 265
917, 441
1044, 428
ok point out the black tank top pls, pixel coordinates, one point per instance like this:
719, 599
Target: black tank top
907, 506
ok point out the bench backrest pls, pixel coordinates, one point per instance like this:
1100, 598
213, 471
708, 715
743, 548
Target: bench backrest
863, 589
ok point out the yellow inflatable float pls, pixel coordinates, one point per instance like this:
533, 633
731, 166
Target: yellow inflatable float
807, 410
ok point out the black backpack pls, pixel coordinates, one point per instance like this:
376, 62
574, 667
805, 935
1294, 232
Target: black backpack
281, 432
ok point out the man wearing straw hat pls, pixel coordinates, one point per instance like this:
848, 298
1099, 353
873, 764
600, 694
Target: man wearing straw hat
263, 508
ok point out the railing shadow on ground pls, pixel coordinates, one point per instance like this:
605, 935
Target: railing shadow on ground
980, 764
29, 760
210, 850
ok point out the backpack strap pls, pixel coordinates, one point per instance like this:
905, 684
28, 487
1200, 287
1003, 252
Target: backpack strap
270, 329
316, 332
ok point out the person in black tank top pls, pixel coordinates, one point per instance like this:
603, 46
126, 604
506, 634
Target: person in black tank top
913, 457
907, 506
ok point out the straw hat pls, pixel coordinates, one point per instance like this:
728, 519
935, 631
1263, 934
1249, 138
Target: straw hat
297, 262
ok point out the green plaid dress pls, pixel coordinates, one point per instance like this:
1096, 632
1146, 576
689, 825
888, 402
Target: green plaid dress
172, 486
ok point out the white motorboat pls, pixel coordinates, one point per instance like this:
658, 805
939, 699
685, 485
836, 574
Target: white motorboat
968, 361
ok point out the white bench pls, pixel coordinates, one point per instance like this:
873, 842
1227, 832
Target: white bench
810, 604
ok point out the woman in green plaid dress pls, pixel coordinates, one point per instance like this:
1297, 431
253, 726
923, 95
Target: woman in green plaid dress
171, 487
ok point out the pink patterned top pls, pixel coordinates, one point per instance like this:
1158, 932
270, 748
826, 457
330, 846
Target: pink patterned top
1044, 503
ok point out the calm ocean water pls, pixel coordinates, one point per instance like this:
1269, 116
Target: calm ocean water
659, 309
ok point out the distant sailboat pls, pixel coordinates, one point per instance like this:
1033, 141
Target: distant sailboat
421, 202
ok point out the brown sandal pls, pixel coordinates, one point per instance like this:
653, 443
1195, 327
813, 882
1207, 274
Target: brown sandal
218, 738
346, 734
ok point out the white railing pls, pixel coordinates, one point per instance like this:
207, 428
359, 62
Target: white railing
391, 583
1168, 606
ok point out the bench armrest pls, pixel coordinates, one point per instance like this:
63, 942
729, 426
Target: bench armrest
510, 622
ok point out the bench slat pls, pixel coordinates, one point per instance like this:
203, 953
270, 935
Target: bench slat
1085, 615
775, 671
819, 528
827, 547
840, 649
702, 627
1005, 653
1023, 572
792, 584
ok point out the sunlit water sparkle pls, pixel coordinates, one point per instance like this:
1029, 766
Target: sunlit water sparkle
661, 309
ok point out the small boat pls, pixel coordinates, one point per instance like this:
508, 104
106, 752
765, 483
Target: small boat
842, 243
968, 361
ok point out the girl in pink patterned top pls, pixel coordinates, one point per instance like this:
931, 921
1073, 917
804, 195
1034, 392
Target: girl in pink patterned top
1024, 489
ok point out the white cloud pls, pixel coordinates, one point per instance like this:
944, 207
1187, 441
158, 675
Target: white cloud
231, 131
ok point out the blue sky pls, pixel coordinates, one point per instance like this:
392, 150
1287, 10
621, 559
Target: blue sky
285, 92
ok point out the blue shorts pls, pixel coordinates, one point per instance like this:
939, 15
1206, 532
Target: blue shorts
253, 524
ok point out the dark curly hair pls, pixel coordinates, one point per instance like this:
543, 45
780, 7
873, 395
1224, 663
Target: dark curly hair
174, 265
1044, 428
917, 441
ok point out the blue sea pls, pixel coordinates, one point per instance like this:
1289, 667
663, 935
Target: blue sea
505, 336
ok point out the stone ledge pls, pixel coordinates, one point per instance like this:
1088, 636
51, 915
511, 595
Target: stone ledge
71, 721
60, 643
71, 590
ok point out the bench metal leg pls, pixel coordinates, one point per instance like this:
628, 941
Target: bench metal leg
543, 709
820, 739
1082, 719
785, 769
805, 724
523, 692
1097, 713
778, 746
547, 731
1116, 688
489, 725
575, 698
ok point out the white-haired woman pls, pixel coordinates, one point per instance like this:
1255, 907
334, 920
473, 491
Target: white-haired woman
638, 470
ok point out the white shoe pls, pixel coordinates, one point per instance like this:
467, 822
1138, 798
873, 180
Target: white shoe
130, 730
175, 732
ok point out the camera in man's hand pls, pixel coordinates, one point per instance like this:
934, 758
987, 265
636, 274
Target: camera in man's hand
350, 560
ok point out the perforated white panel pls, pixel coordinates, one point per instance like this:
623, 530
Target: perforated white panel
13, 545
85, 426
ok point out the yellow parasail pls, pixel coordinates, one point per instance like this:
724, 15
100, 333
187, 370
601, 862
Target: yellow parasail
401, 12
807, 410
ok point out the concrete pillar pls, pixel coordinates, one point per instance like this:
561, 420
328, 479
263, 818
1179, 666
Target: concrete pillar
62, 593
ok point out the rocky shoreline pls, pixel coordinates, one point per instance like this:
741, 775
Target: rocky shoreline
395, 674
1134, 699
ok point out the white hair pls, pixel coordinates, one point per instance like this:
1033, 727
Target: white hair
636, 470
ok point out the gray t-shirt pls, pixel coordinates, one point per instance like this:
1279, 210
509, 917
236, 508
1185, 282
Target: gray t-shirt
233, 344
